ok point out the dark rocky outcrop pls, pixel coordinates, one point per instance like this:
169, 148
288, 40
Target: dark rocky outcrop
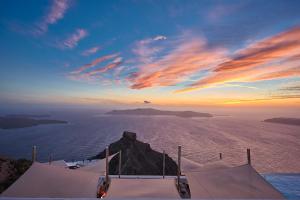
137, 158
11, 170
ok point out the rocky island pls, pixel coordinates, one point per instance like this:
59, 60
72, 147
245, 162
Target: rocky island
151, 111
13, 122
138, 158
283, 120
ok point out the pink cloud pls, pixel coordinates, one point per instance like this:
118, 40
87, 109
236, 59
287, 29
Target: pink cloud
72, 40
104, 69
118, 59
146, 49
55, 13
289, 72
187, 58
94, 63
249, 75
273, 57
94, 76
281, 46
90, 51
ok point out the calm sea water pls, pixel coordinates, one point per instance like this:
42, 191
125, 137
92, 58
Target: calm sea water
274, 147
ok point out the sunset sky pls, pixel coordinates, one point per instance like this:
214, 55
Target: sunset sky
150, 52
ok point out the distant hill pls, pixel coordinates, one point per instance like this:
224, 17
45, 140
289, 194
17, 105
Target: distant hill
150, 111
27, 116
23, 122
282, 120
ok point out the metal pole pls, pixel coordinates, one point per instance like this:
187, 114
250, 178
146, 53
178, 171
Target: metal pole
179, 163
164, 163
50, 159
33, 153
221, 156
249, 156
106, 164
120, 163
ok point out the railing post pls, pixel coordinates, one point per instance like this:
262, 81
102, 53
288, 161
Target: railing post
179, 165
33, 153
120, 163
106, 164
249, 156
220, 156
164, 163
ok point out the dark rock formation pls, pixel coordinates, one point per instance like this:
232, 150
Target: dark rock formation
11, 170
150, 111
137, 158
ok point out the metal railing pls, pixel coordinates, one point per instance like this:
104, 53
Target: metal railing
179, 155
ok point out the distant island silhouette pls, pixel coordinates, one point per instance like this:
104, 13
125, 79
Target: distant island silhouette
283, 120
27, 116
151, 111
13, 122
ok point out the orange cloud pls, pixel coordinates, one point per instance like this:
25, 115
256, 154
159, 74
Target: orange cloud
250, 75
186, 59
256, 62
277, 47
291, 72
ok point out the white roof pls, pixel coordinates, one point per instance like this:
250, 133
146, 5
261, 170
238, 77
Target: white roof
97, 165
236, 182
189, 165
59, 163
50, 181
142, 188
44, 180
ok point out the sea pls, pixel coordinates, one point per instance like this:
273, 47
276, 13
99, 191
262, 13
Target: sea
275, 148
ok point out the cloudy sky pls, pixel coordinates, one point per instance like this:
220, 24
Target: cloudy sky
181, 53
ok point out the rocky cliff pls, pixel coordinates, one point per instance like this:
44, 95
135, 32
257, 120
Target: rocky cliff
137, 158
